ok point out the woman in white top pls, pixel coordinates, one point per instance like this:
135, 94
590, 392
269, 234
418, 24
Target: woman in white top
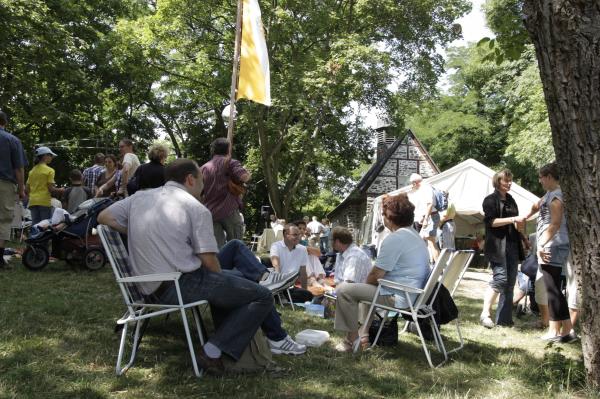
402, 258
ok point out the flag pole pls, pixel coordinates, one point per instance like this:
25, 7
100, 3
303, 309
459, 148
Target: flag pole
234, 75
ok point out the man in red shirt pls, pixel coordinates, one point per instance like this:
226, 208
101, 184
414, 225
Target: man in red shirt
223, 205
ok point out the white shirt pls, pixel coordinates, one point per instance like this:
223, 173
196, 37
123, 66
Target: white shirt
352, 265
421, 199
130, 163
289, 261
167, 228
315, 227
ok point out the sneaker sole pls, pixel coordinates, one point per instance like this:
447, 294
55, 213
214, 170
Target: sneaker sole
284, 285
280, 352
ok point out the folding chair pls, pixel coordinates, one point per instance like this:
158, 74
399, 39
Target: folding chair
280, 295
420, 308
139, 310
20, 222
254, 242
456, 269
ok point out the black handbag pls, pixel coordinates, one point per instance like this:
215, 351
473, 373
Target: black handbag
389, 333
529, 266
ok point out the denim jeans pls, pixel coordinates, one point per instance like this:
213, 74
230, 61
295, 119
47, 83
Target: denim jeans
503, 281
236, 259
230, 227
39, 213
324, 243
239, 306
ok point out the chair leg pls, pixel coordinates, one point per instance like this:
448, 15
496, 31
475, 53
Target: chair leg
134, 347
439, 340
199, 326
290, 298
423, 343
190, 343
369, 313
460, 338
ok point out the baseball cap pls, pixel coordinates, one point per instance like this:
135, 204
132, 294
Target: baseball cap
43, 151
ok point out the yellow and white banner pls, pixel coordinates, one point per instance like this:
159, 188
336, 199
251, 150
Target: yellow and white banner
254, 81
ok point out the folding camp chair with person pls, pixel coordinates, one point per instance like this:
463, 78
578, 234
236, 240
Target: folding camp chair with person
141, 308
419, 309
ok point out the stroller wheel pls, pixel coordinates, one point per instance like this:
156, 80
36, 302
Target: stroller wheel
94, 258
35, 257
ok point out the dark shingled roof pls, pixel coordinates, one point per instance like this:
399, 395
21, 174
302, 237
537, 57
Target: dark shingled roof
369, 177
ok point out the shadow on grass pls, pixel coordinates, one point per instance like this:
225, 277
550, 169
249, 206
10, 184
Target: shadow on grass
59, 343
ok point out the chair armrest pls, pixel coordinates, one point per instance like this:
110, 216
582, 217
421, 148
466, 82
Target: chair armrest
146, 278
399, 287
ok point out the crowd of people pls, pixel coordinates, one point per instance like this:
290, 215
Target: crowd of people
186, 217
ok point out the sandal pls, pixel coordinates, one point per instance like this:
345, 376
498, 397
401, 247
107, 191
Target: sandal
361, 344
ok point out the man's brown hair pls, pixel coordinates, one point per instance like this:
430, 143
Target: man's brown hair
341, 234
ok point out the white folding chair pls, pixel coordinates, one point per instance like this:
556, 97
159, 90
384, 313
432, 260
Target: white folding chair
456, 269
139, 309
19, 223
254, 242
420, 308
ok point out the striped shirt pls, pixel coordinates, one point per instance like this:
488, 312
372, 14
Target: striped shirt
91, 176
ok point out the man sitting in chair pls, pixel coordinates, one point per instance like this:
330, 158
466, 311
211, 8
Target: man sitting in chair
170, 230
288, 256
352, 264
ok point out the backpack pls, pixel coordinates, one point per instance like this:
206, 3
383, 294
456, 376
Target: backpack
256, 357
441, 199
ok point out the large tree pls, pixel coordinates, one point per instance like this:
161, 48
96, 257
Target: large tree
566, 35
326, 57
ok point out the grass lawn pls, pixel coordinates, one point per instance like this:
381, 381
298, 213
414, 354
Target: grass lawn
57, 341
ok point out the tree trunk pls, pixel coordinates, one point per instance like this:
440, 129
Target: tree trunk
566, 34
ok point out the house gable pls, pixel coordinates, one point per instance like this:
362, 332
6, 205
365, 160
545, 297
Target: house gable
403, 158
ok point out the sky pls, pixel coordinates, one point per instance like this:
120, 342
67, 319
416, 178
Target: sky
473, 25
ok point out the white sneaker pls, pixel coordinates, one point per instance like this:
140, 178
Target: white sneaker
276, 282
286, 346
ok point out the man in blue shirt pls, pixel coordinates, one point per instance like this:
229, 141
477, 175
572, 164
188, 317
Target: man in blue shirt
12, 162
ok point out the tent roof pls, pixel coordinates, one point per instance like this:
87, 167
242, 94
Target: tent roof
468, 183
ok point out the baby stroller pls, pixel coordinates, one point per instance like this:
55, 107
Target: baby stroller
72, 240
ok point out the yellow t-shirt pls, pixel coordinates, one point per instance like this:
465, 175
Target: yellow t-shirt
39, 178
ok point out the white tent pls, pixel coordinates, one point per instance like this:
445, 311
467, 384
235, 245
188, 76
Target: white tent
467, 183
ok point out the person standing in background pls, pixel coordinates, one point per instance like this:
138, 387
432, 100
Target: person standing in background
223, 205
93, 173
502, 248
12, 172
130, 164
552, 252
41, 186
427, 217
447, 229
324, 239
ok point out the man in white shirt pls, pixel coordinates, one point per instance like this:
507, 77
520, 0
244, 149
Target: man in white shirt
288, 256
352, 264
315, 227
426, 216
130, 164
